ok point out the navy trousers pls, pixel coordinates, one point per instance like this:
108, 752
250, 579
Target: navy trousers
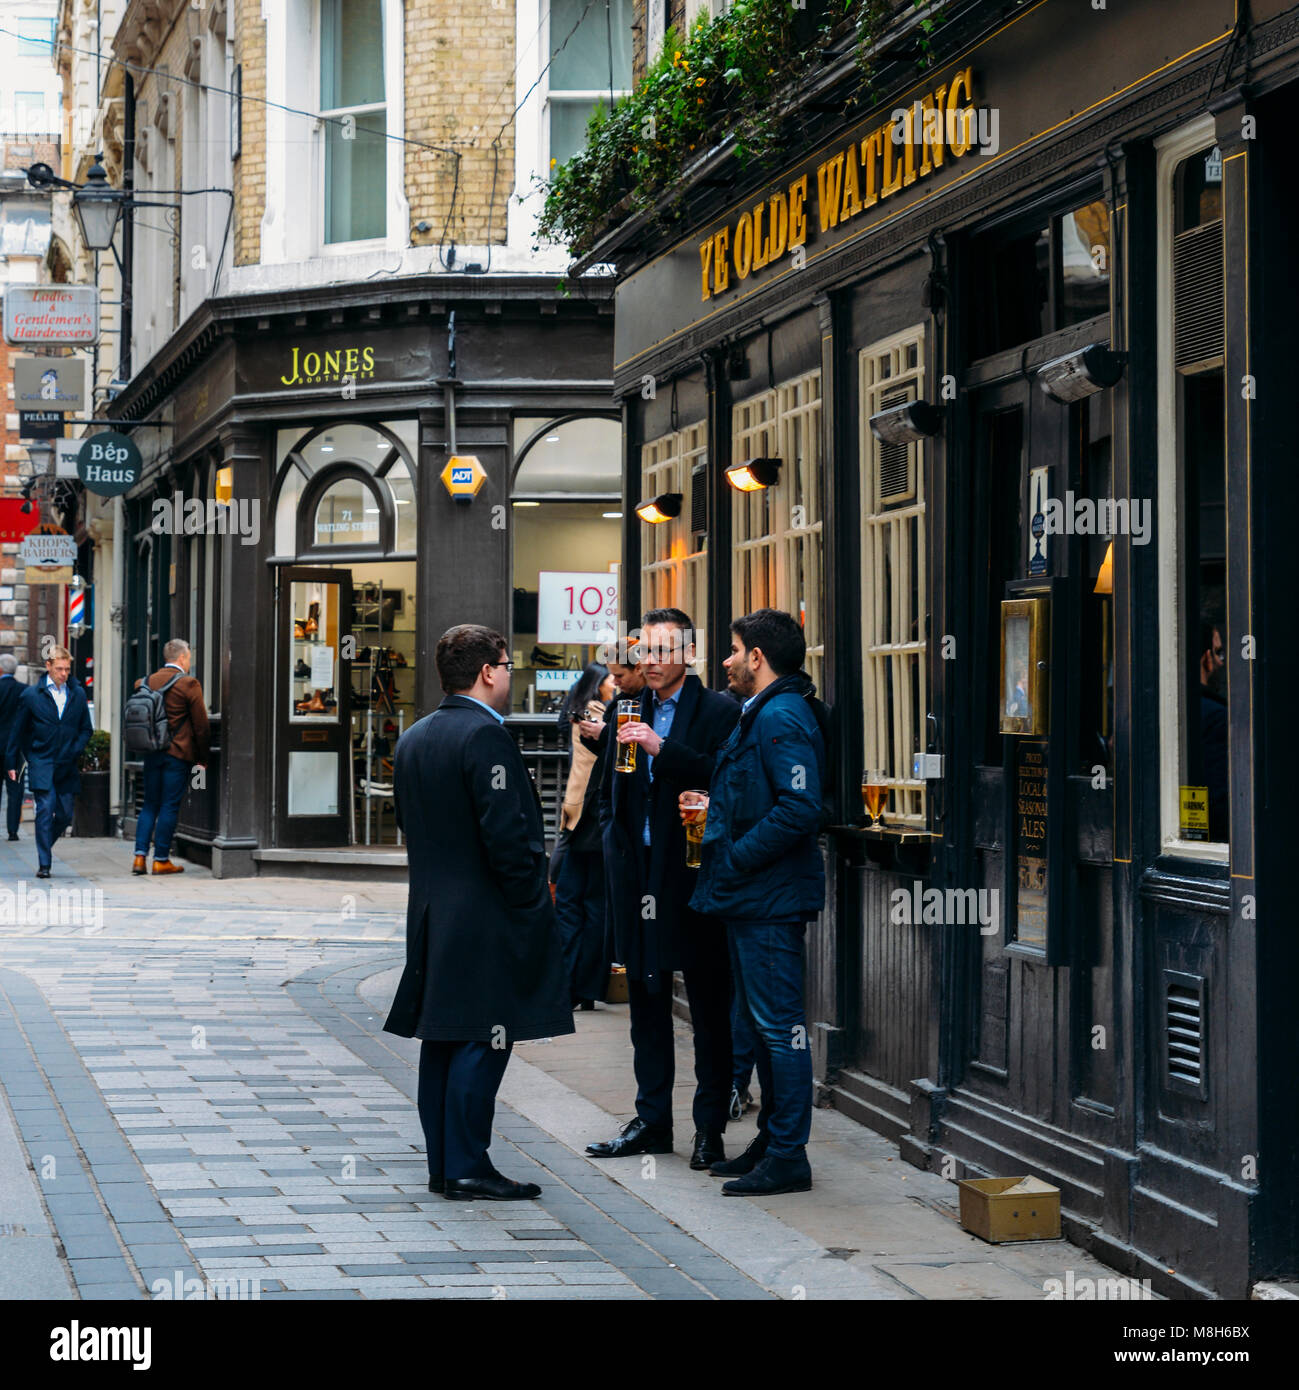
458, 1082
54, 807
15, 794
579, 910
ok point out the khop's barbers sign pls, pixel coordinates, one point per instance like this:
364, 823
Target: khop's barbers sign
51, 315
50, 383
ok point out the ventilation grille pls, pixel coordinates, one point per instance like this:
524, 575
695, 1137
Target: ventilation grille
896, 461
1184, 1041
699, 499
1198, 309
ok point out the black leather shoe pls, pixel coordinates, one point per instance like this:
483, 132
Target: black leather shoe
493, 1189
771, 1177
636, 1138
745, 1163
13, 837
437, 1184
42, 873
707, 1151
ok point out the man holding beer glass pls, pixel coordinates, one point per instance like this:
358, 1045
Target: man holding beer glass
665, 744
762, 873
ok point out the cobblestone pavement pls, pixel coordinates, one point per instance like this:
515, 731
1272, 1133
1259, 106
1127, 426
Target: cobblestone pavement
199, 1096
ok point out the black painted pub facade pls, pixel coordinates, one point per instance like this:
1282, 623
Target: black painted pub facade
1048, 609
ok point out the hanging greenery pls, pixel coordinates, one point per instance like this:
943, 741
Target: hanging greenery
732, 76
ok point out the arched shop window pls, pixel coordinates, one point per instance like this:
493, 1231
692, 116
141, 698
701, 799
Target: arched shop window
566, 501
344, 489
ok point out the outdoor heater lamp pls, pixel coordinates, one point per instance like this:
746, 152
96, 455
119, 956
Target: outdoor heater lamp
661, 508
906, 423
753, 474
1079, 374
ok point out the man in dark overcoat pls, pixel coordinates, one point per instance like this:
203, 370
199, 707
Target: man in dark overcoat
484, 967
681, 726
50, 730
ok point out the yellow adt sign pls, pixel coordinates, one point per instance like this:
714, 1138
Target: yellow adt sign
463, 476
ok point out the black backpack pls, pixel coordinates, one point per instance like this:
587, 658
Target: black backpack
145, 727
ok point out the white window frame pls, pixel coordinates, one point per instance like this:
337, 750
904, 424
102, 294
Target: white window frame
766, 536
1170, 151
294, 183
574, 96
673, 574
899, 532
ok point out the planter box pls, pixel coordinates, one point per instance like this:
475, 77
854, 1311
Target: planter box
90, 815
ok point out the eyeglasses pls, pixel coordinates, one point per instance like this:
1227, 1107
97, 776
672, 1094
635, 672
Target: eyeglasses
509, 665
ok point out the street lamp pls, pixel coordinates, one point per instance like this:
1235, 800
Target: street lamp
98, 208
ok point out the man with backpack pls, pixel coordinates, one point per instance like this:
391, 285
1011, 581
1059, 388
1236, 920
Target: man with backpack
51, 730
762, 874
166, 722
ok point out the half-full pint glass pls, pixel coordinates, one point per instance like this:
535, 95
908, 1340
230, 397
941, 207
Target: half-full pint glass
626, 760
695, 815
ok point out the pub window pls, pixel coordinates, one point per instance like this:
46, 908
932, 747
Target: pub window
1196, 644
893, 598
353, 103
674, 571
776, 531
590, 66
1033, 280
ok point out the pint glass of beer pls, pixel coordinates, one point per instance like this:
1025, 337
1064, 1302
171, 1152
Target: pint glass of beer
694, 813
626, 760
873, 793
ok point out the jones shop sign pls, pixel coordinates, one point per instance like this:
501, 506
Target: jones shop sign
108, 463
51, 315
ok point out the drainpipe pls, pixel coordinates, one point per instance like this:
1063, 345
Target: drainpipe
450, 384
128, 227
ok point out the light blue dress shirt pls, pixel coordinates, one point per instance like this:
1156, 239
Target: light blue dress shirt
500, 718
662, 713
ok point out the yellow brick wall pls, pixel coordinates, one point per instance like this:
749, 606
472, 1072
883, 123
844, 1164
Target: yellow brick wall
460, 57
250, 167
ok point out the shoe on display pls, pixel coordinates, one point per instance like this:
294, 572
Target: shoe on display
312, 625
540, 658
299, 631
302, 671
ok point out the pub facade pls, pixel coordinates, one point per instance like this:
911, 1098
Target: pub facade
993, 367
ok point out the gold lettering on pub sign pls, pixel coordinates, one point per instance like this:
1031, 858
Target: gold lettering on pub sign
310, 368
907, 147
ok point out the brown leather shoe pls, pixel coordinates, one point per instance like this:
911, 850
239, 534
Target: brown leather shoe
138, 865
165, 866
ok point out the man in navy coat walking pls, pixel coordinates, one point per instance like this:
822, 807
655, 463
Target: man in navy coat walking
51, 730
484, 965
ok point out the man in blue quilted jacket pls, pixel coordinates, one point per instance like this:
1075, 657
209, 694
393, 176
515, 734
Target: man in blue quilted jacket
762, 874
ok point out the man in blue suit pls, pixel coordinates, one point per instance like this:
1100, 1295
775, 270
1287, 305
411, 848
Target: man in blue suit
51, 730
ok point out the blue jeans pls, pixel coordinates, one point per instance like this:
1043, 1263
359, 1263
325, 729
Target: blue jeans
767, 965
744, 1051
165, 780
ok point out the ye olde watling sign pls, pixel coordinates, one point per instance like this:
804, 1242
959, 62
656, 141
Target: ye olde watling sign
108, 463
1031, 819
52, 315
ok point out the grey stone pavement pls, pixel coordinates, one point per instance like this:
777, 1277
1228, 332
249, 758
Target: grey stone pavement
196, 1096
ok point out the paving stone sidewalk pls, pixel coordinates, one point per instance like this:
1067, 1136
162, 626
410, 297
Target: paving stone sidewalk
196, 1092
